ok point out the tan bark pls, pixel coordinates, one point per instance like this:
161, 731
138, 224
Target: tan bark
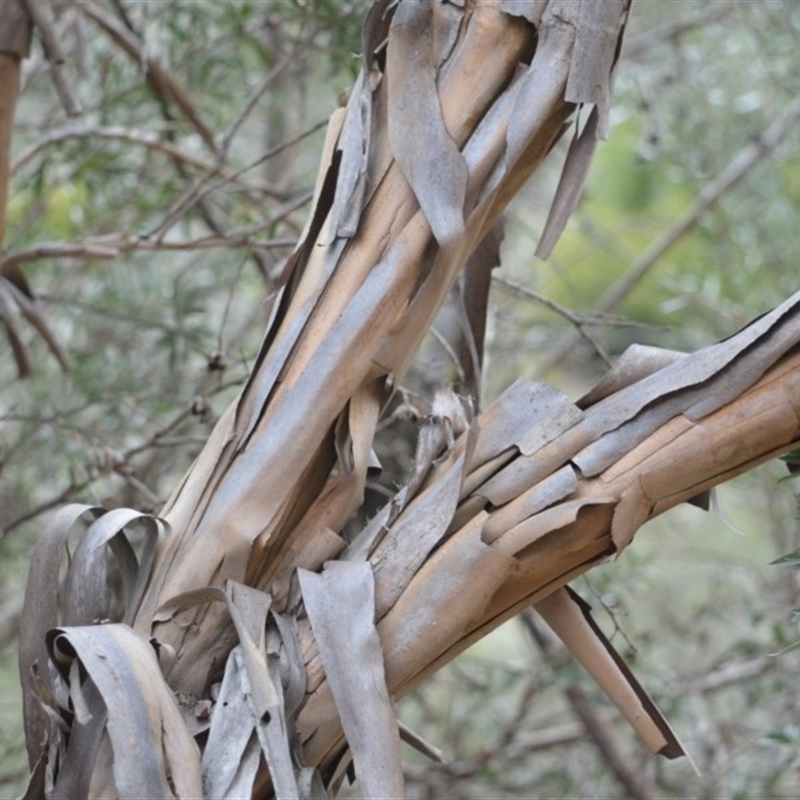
456, 105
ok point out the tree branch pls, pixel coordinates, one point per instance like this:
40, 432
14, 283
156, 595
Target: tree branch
747, 158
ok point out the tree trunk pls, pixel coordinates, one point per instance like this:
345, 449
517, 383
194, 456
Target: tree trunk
250, 620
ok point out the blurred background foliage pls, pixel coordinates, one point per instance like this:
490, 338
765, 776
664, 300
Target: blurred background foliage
161, 335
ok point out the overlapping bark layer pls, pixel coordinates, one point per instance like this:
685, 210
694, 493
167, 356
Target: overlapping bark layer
456, 106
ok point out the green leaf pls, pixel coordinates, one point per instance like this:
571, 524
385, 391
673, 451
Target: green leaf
792, 461
790, 559
787, 735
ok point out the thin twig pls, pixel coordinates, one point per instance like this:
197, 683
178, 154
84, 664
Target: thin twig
643, 43
238, 120
451, 354
110, 247
130, 136
588, 319
162, 82
110, 133
41, 14
70, 491
747, 158
189, 198
195, 195
576, 319
94, 252
597, 729
76, 488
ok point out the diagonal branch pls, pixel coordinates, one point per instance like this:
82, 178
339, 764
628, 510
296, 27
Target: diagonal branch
748, 157
161, 80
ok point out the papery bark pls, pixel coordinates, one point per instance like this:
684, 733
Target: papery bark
535, 491
355, 308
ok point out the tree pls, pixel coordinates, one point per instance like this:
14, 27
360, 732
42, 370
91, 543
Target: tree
511, 504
